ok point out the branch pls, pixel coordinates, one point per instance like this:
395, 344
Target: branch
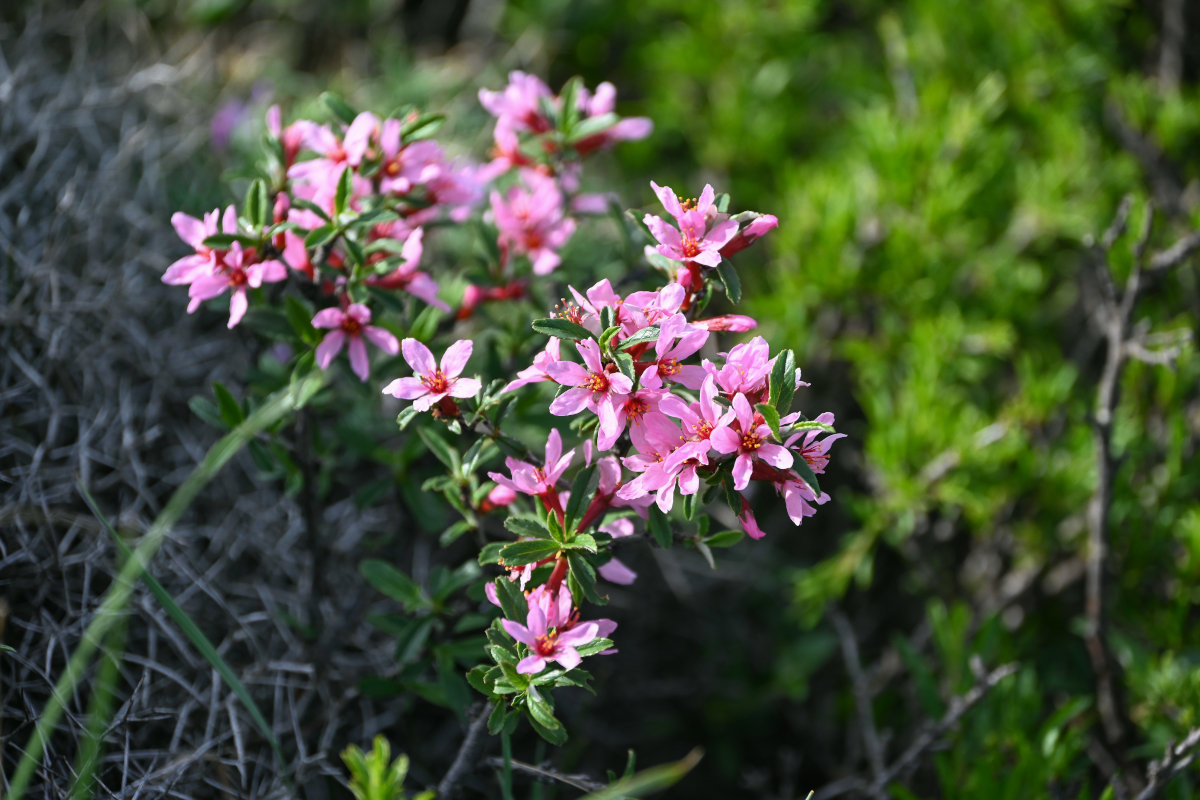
581, 782
926, 737
1174, 255
468, 753
930, 733
1176, 760
862, 697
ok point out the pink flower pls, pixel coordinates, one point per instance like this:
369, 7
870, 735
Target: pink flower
749, 523
519, 104
407, 277
615, 571
203, 261
750, 442
654, 441
234, 273
547, 642
668, 353
727, 322
692, 241
432, 381
595, 388
538, 371
353, 324
812, 450
758, 227
700, 420
532, 221
537, 481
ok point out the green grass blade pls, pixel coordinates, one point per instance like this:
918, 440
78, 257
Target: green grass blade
648, 780
277, 406
196, 636
100, 709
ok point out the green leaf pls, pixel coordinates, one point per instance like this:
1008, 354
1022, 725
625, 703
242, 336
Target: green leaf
512, 600
783, 381
562, 329
660, 527
342, 195
258, 204
223, 241
207, 410
422, 127
583, 541
582, 578
729, 279
541, 715
318, 237
644, 336
607, 335
231, 412
770, 416
519, 554
570, 104
704, 551
582, 489
724, 538
440, 448
339, 107
649, 780
524, 526
299, 316
625, 364
592, 126
406, 416
309, 205
394, 583
812, 425
490, 553
801, 467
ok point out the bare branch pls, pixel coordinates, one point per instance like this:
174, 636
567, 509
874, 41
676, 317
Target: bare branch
546, 774
1174, 255
468, 753
862, 696
1177, 758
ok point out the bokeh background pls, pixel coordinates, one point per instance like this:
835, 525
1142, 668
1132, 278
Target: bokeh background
938, 168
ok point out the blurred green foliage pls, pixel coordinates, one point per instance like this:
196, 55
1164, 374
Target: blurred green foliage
936, 167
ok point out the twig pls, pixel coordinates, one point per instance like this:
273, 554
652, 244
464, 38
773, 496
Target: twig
581, 782
1170, 60
862, 697
1174, 255
1113, 319
926, 737
468, 753
1177, 758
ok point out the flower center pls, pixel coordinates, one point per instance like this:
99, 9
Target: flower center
237, 278
567, 310
689, 204
392, 169
597, 382
690, 247
635, 407
668, 367
545, 644
351, 326
435, 383
751, 441
703, 429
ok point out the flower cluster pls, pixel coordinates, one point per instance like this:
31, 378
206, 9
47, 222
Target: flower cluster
663, 413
